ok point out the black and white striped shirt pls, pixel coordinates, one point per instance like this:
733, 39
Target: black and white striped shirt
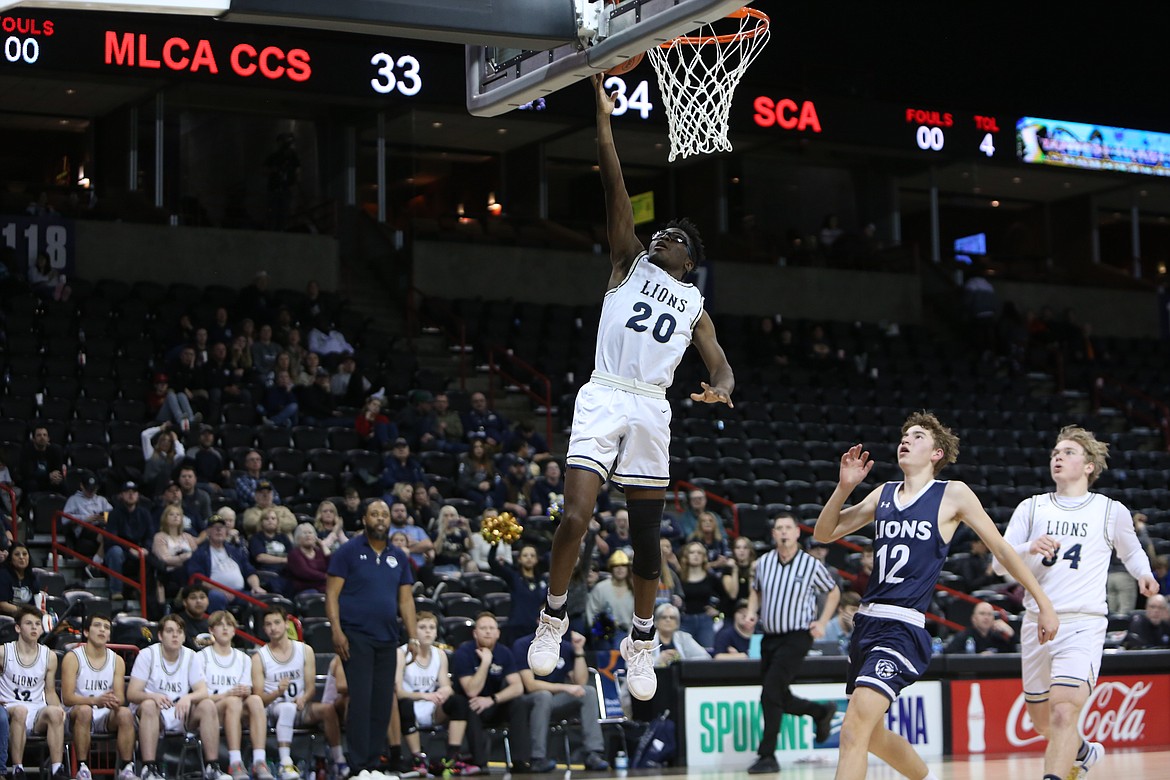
788, 591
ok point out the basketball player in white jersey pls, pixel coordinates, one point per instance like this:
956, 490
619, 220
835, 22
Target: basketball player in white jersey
228, 672
1067, 538
28, 691
168, 693
621, 422
284, 675
93, 689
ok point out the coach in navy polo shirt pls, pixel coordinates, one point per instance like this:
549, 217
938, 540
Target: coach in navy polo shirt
369, 586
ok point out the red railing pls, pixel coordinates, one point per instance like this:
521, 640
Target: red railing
208, 582
59, 548
495, 368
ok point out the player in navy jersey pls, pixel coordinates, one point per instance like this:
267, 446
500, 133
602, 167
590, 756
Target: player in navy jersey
914, 522
621, 421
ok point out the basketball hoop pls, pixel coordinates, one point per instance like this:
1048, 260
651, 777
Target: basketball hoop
698, 75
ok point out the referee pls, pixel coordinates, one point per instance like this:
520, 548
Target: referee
784, 598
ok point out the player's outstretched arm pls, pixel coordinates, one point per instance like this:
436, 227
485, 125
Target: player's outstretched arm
835, 522
624, 245
972, 513
722, 378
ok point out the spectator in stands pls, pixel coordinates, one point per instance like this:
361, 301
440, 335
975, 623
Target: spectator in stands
247, 482
308, 562
482, 550
549, 488
280, 403
348, 384
513, 490
33, 708
327, 341
8, 504
476, 477
376, 429
223, 563
202, 346
840, 628
734, 640
165, 405
487, 675
618, 537
418, 423
864, 569
710, 535
1121, 588
264, 351
310, 369
525, 441
528, 587
701, 588
162, 451
172, 547
297, 353
225, 383
987, 634
282, 363
612, 601
187, 380
317, 404
819, 348
402, 468
480, 422
169, 695
211, 472
220, 329
422, 509
976, 570
131, 521
1150, 628
562, 694
330, 529
673, 643
452, 541
266, 502
669, 587
193, 601
234, 536
268, 549
688, 522
254, 301
426, 699
42, 464
196, 502
351, 510
737, 580
448, 425
46, 281
90, 507
982, 309
173, 495
312, 306
421, 546
19, 584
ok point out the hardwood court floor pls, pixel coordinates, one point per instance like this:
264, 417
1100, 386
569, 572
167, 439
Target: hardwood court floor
1126, 764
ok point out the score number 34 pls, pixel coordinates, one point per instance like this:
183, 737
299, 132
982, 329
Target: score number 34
638, 100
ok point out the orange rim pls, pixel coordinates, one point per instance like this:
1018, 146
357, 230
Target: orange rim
762, 22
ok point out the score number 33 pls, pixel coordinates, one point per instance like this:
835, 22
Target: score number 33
407, 81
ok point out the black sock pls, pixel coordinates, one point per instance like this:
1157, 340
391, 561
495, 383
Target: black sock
559, 614
1083, 753
395, 754
452, 752
641, 636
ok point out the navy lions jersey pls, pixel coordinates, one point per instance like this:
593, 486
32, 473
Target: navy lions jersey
908, 552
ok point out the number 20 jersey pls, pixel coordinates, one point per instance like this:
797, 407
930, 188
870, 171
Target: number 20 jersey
908, 552
646, 324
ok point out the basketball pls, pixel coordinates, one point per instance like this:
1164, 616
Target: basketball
627, 66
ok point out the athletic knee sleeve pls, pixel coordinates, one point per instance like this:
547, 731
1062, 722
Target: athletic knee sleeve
286, 716
645, 531
406, 715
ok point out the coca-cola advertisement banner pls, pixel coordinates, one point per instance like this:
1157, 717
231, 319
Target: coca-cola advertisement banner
989, 716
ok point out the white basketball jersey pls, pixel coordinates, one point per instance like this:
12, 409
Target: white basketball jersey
224, 672
93, 680
293, 670
646, 324
422, 679
175, 679
21, 682
1088, 529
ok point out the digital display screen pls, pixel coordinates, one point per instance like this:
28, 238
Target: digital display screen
966, 246
1092, 147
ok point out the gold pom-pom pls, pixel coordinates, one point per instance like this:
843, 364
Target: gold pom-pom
502, 529
556, 505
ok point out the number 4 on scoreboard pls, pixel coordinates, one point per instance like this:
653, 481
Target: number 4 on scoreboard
988, 145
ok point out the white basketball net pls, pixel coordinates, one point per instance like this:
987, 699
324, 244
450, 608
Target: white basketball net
698, 74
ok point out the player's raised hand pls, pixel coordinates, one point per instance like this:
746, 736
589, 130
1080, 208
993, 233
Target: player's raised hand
605, 101
712, 395
855, 466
